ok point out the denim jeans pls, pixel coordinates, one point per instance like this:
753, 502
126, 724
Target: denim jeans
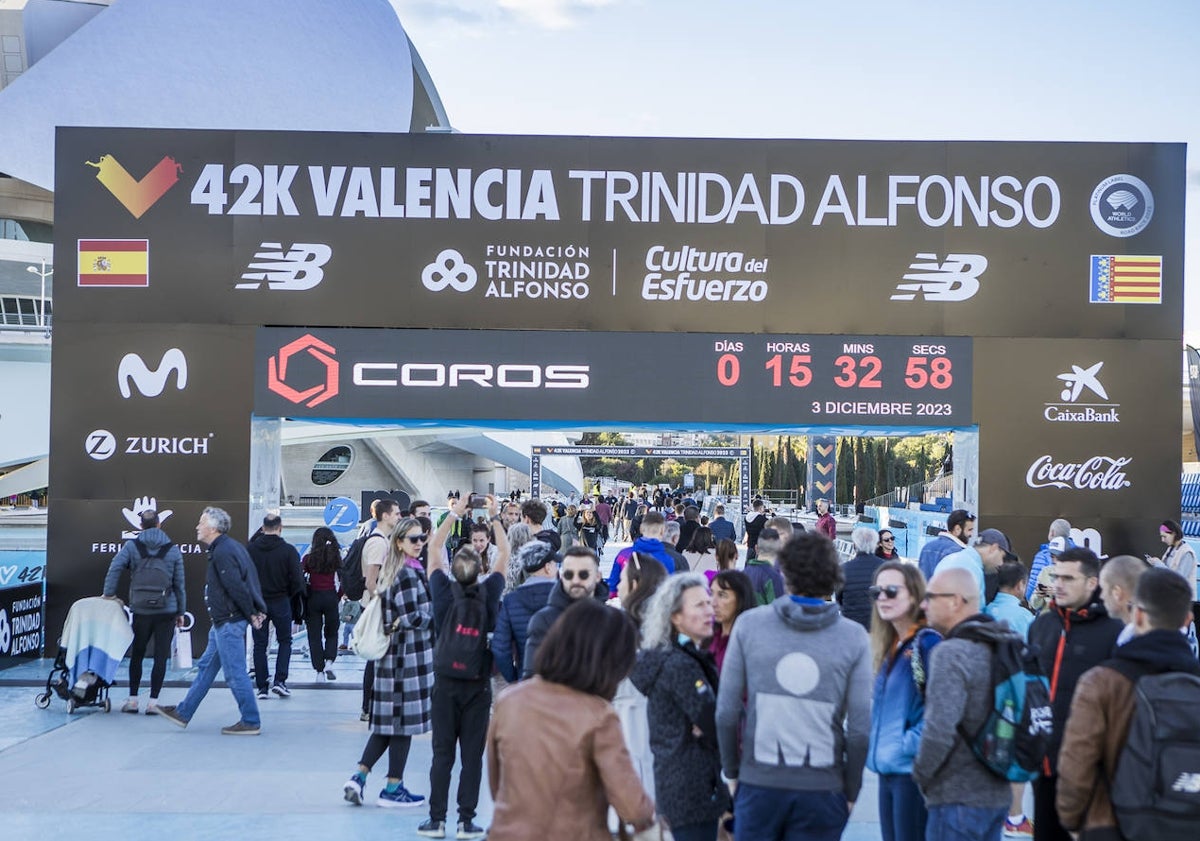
775, 814
279, 614
902, 815
965, 823
226, 652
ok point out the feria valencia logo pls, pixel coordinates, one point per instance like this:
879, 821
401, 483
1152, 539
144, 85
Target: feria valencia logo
1098, 473
308, 393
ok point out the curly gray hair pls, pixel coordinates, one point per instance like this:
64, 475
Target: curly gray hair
657, 630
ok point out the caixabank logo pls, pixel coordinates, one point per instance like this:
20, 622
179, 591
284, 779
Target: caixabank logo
309, 392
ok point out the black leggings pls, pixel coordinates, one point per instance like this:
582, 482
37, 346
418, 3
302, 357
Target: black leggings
161, 626
322, 622
397, 751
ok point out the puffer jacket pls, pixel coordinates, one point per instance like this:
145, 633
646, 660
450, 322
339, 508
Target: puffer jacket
231, 589
680, 685
898, 704
512, 625
540, 622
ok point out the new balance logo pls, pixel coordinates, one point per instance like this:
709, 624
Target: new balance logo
954, 279
1189, 783
294, 270
151, 382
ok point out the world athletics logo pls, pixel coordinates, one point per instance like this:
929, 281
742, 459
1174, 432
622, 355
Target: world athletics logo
1122, 205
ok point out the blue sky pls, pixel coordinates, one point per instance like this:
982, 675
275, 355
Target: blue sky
854, 69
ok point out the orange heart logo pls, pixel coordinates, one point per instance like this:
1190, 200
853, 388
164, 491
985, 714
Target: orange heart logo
137, 196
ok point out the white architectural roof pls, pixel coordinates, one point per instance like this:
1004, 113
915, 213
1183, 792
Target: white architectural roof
315, 65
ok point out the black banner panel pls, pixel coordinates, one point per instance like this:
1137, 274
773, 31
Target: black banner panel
495, 374
1033, 291
659, 235
21, 623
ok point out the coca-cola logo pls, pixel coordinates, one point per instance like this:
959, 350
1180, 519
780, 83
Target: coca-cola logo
1098, 473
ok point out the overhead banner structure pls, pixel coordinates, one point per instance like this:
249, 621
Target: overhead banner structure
1032, 291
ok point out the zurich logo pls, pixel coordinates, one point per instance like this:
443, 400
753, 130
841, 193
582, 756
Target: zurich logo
1122, 205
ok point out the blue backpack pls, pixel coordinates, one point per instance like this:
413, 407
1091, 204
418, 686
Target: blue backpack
1014, 741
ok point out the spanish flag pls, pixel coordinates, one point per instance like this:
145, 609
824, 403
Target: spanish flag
114, 262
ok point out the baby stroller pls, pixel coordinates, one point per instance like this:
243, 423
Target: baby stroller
94, 639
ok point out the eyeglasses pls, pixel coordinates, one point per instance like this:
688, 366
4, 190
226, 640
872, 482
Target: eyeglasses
571, 575
930, 596
416, 538
888, 592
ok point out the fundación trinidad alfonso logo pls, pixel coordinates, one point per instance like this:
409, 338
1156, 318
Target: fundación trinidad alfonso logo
137, 196
309, 395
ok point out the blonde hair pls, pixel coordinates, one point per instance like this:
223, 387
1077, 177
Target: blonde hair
394, 559
883, 635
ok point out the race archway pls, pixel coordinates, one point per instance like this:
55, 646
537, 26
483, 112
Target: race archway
1031, 292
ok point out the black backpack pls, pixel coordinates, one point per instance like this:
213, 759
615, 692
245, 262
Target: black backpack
1156, 788
150, 581
1015, 738
461, 650
354, 583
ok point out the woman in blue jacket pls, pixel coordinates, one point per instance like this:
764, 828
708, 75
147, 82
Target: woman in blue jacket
901, 643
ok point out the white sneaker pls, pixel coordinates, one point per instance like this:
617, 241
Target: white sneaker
320, 677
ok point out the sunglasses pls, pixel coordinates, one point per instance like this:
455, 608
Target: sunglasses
888, 592
416, 538
887, 540
929, 596
571, 575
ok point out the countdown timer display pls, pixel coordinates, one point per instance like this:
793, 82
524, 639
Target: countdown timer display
850, 379
636, 377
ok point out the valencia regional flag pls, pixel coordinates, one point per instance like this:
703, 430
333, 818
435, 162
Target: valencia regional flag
1126, 279
114, 262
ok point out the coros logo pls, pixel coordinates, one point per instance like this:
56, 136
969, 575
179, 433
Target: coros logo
478, 374
312, 395
151, 382
1122, 205
954, 279
1098, 473
449, 269
1074, 408
294, 270
101, 445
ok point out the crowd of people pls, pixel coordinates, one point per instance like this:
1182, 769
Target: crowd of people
720, 698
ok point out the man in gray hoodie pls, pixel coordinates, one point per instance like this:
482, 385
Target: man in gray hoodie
804, 672
965, 799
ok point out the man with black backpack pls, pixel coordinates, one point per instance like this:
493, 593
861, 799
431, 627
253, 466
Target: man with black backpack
1073, 634
1130, 758
156, 597
465, 607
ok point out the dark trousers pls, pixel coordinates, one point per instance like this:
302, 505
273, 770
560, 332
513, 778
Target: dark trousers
322, 624
460, 717
397, 748
1045, 815
902, 814
279, 614
162, 627
696, 832
368, 686
774, 814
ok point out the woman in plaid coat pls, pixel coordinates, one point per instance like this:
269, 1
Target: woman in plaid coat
403, 686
